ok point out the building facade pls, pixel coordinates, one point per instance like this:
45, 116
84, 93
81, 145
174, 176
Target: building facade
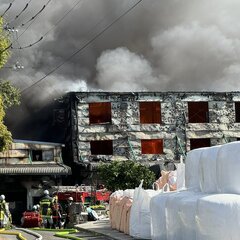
148, 126
26, 170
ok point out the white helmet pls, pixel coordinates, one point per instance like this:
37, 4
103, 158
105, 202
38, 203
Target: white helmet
38, 206
34, 207
70, 199
2, 197
46, 192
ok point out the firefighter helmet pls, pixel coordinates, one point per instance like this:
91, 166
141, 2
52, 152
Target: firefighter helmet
2, 197
46, 192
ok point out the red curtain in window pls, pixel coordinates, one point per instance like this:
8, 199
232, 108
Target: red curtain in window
100, 112
153, 146
150, 112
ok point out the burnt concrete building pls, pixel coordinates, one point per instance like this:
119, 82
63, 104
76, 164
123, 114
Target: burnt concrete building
148, 126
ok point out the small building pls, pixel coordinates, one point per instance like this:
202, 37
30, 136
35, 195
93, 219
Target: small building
149, 127
26, 170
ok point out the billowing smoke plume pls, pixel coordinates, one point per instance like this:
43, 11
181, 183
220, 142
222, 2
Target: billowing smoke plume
121, 69
160, 45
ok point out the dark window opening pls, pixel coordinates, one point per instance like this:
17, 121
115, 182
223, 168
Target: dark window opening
150, 112
36, 155
237, 111
153, 146
100, 112
198, 112
101, 147
199, 143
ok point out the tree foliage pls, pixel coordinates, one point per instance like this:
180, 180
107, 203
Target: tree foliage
9, 95
125, 175
5, 135
4, 43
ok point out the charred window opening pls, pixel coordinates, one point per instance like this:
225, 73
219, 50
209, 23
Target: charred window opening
36, 155
101, 147
150, 112
198, 112
100, 112
153, 146
200, 143
237, 111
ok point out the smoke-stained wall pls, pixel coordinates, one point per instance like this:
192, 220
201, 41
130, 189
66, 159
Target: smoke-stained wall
126, 131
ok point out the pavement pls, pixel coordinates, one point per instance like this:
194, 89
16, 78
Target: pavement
103, 228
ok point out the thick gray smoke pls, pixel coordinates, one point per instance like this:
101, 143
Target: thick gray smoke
160, 45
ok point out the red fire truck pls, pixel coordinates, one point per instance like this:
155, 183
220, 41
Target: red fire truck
84, 194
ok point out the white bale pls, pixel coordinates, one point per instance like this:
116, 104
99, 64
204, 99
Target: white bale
208, 169
134, 213
228, 167
187, 213
145, 223
192, 169
218, 217
158, 215
180, 175
174, 223
140, 219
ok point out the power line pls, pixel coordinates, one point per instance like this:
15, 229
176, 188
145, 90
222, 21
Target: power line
20, 13
83, 47
76, 3
28, 46
60, 20
45, 34
6, 9
23, 24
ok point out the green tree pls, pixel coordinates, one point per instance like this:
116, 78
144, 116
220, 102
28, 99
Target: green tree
4, 44
125, 175
5, 135
9, 95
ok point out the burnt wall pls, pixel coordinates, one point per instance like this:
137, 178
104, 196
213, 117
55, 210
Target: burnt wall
126, 132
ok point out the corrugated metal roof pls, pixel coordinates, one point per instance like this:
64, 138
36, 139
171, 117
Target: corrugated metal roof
35, 169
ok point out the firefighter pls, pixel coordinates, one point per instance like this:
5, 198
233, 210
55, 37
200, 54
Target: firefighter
56, 211
69, 204
46, 209
5, 216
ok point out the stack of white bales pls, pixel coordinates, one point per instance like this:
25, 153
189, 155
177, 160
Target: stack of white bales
209, 208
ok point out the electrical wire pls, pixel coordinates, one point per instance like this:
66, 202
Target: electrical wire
68, 12
61, 19
28, 46
32, 20
19, 14
23, 24
32, 44
6, 9
83, 47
